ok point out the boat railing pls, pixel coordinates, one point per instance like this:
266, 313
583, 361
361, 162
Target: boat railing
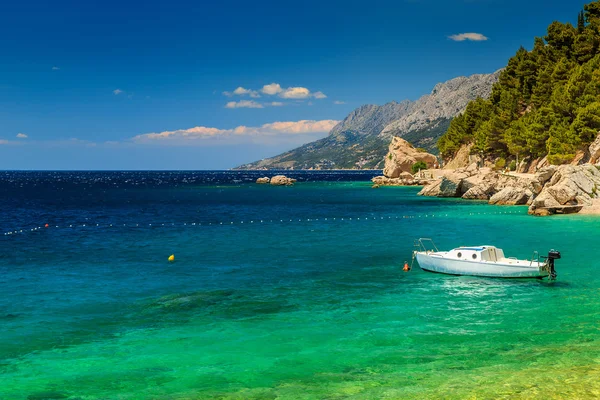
422, 243
535, 258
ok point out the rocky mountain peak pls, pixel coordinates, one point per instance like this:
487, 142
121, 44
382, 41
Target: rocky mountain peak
445, 101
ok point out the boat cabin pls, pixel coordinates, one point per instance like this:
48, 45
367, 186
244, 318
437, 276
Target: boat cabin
479, 253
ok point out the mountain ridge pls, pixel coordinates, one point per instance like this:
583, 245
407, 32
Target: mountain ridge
361, 140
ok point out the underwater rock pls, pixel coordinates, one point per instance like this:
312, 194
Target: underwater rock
47, 396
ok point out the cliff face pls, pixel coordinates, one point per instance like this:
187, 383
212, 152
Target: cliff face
361, 140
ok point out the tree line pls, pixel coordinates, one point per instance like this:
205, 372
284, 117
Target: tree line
546, 101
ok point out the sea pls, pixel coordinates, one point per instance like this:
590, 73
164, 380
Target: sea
281, 292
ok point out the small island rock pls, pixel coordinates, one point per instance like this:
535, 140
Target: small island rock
263, 180
282, 180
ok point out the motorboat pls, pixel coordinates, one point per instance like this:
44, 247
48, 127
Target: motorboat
486, 261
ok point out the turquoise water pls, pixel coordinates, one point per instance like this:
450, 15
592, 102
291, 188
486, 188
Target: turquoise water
313, 308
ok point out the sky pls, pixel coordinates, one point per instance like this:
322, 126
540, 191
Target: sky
200, 85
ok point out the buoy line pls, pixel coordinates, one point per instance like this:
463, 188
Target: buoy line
47, 226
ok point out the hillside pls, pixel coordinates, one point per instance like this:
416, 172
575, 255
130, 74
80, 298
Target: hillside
361, 140
546, 102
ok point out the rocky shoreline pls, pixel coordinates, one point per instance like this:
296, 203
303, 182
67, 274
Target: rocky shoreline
564, 189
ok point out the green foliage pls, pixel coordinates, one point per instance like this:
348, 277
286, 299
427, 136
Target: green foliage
390, 156
513, 165
500, 163
419, 165
546, 101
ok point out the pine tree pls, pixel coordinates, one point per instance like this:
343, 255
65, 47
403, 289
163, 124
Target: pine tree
580, 22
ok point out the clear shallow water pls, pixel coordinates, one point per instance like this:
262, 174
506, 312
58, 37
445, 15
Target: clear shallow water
310, 308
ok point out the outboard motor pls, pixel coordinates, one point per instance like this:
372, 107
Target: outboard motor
552, 255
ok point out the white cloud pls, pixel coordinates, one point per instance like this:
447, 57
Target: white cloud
117, 91
271, 89
22, 136
461, 37
339, 102
200, 134
3, 141
55, 68
295, 93
243, 104
276, 104
241, 91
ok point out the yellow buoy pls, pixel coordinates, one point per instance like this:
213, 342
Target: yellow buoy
172, 258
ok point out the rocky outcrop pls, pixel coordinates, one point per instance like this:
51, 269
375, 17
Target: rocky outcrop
570, 189
461, 159
552, 190
263, 180
402, 156
405, 179
484, 184
511, 195
594, 151
282, 180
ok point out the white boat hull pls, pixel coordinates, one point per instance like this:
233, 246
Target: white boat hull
497, 269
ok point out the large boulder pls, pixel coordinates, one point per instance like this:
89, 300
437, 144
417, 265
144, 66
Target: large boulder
594, 151
572, 187
402, 156
263, 180
282, 180
511, 195
450, 185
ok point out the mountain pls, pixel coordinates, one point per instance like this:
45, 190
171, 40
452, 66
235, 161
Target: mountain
361, 140
433, 112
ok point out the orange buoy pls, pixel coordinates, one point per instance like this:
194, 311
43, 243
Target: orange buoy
46, 225
406, 267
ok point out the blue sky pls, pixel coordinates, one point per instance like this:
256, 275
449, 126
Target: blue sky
150, 85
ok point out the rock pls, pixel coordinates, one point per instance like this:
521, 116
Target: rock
432, 190
477, 193
282, 180
404, 180
376, 186
461, 159
568, 190
541, 212
263, 180
594, 151
448, 186
511, 196
402, 156
544, 174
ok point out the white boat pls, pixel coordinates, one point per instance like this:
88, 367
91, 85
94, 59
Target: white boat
487, 261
